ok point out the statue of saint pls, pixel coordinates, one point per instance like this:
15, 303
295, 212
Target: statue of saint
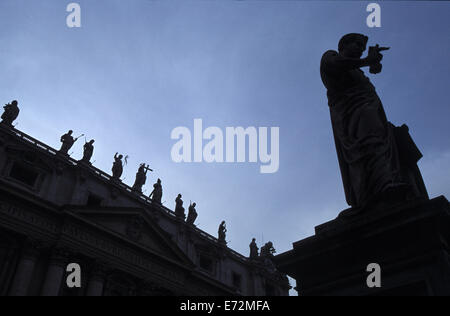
267, 250
179, 209
366, 143
10, 114
141, 177
266, 257
88, 151
253, 250
192, 214
222, 233
117, 168
67, 141
157, 192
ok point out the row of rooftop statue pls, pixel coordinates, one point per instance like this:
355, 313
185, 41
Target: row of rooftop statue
10, 114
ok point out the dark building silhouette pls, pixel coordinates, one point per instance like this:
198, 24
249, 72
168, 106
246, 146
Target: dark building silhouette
55, 210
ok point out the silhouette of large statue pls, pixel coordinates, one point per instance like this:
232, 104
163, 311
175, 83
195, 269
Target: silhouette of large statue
117, 168
88, 151
141, 177
10, 114
157, 192
371, 151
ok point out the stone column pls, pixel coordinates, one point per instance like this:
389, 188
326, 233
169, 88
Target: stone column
8, 256
96, 281
55, 272
252, 281
25, 269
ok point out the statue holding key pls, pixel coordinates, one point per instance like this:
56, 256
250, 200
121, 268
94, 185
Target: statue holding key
378, 160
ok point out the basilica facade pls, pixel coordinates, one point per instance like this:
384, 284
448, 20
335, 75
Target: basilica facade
56, 211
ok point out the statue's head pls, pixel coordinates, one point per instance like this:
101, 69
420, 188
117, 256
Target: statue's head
159, 180
352, 45
179, 195
194, 204
120, 156
253, 239
91, 141
14, 102
70, 132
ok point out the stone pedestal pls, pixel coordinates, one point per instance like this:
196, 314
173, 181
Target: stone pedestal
410, 243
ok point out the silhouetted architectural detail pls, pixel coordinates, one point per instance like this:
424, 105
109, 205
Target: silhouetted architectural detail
179, 209
157, 192
222, 233
267, 250
55, 210
192, 214
117, 168
67, 141
10, 114
409, 242
266, 255
253, 250
141, 177
134, 228
88, 151
366, 143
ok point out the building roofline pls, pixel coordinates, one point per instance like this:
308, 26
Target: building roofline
103, 176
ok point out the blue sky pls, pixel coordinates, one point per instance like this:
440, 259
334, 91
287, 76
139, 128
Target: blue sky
137, 69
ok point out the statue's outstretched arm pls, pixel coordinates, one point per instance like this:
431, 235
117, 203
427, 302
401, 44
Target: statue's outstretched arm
336, 62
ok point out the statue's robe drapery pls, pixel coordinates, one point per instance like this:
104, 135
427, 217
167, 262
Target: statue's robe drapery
365, 141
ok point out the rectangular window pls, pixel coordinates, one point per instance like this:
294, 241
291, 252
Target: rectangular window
94, 200
23, 174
